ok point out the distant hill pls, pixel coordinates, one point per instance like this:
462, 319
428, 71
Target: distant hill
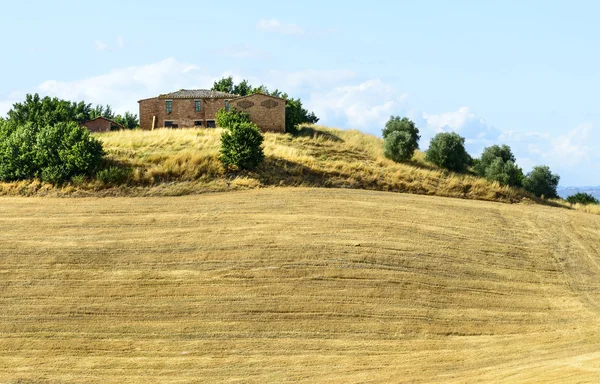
565, 192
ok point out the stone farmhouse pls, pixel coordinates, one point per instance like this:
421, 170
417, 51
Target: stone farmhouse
198, 107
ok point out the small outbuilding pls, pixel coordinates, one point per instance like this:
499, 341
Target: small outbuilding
102, 124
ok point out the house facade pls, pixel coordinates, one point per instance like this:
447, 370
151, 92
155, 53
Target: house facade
102, 124
198, 108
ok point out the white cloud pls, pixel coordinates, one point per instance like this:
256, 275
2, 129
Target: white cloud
572, 148
100, 46
120, 42
274, 25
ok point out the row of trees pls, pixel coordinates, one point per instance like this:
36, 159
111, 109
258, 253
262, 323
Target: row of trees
295, 113
48, 111
447, 150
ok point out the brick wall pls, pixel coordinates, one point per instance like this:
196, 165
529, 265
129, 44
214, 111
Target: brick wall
265, 111
184, 112
98, 125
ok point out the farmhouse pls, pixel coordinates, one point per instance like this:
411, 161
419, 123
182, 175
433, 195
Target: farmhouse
198, 107
102, 124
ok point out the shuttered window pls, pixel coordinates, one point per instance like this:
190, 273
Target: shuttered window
169, 105
198, 105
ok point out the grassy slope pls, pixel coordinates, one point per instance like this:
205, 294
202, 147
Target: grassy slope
179, 162
297, 285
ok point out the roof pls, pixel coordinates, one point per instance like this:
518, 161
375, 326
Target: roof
104, 118
197, 94
261, 94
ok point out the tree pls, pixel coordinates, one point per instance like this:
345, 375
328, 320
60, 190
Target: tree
399, 146
45, 111
51, 153
128, 120
447, 150
242, 89
241, 146
490, 154
395, 123
506, 173
583, 199
224, 85
542, 182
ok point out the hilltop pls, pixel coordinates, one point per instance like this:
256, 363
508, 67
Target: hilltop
167, 162
297, 285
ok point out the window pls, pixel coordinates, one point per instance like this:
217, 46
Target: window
198, 105
210, 124
170, 124
227, 106
197, 123
169, 105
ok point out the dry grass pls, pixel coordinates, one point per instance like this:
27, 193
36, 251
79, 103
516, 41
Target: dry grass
297, 285
185, 161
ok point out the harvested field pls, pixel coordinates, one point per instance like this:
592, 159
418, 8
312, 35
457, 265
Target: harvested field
297, 285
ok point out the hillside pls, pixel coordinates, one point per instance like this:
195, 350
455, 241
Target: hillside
296, 285
185, 161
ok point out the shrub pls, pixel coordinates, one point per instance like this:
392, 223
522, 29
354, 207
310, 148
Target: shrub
397, 124
113, 175
227, 119
583, 199
50, 153
447, 150
506, 173
490, 154
542, 182
399, 146
241, 146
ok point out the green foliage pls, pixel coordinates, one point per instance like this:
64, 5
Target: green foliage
113, 175
395, 123
128, 120
542, 182
295, 113
583, 199
241, 146
506, 173
46, 111
447, 150
227, 119
103, 111
50, 153
490, 154
399, 146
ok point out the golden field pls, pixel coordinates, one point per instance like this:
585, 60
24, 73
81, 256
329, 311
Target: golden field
167, 162
299, 285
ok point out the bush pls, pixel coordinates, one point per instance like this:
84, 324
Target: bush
399, 146
447, 150
583, 199
490, 154
241, 146
113, 175
506, 173
227, 119
50, 153
542, 182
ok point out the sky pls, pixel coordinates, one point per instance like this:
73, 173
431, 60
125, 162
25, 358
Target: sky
521, 73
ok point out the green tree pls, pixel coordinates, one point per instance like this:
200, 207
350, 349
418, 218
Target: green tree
241, 146
128, 120
395, 123
583, 199
45, 111
227, 119
242, 89
399, 146
490, 154
447, 150
506, 173
542, 182
224, 85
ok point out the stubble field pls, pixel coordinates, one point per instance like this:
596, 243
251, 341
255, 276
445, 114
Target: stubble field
297, 285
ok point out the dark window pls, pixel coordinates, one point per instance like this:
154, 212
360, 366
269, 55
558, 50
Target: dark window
169, 106
169, 124
210, 124
198, 105
197, 123
227, 106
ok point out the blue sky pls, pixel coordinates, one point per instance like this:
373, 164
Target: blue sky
522, 73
